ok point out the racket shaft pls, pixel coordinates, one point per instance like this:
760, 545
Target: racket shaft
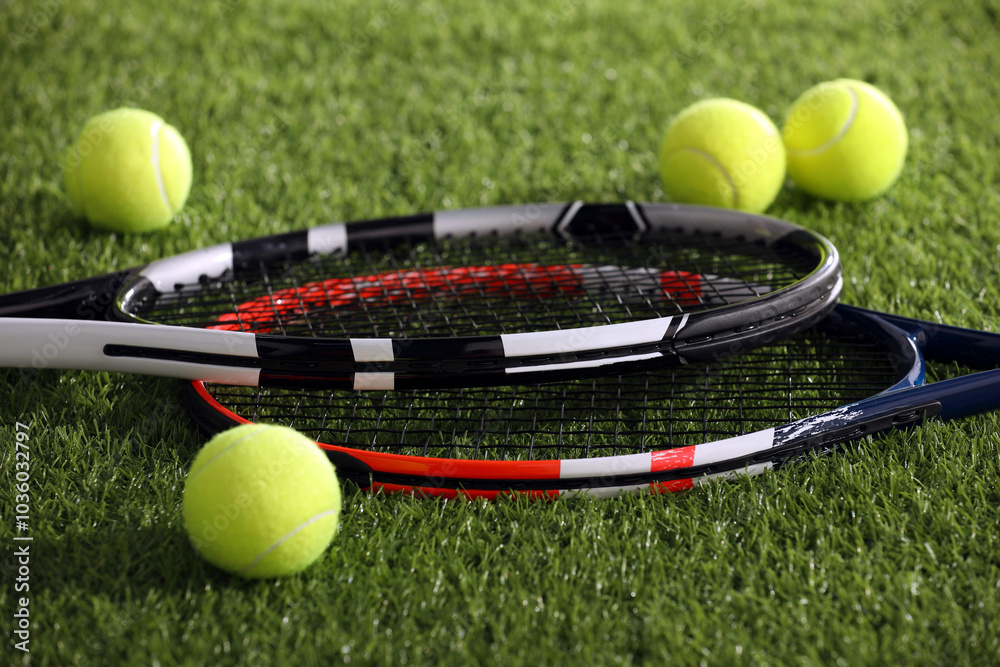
240, 358
949, 399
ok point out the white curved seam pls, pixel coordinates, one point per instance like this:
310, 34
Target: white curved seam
722, 170
223, 451
155, 130
284, 538
855, 103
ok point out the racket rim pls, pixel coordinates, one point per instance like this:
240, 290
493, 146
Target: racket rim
688, 330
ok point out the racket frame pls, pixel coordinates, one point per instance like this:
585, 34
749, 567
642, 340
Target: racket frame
910, 401
401, 363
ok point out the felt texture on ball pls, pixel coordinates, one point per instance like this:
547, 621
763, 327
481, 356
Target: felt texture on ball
128, 171
845, 141
261, 501
722, 152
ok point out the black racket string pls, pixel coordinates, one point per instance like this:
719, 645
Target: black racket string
490, 307
608, 416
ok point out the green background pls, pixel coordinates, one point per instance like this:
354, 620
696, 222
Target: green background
300, 112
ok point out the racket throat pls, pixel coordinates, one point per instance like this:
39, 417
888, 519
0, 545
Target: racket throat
821, 436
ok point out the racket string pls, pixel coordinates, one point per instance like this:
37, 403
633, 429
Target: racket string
627, 414
492, 285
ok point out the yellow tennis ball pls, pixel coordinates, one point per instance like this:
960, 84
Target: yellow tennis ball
845, 140
128, 171
261, 501
722, 152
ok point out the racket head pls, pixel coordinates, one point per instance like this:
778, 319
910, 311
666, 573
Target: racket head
659, 430
483, 290
464, 298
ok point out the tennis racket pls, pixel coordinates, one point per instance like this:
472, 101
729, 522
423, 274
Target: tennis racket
480, 296
660, 430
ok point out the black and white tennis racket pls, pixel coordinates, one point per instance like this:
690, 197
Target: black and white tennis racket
658, 430
475, 297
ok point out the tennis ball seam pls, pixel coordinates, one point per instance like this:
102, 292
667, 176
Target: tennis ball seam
251, 433
284, 538
718, 166
844, 129
155, 131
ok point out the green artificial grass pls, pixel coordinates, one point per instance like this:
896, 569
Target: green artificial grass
300, 112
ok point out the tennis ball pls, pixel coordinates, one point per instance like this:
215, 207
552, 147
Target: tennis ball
261, 501
845, 140
128, 171
721, 152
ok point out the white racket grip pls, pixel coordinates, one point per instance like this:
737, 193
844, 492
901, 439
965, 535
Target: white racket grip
80, 345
